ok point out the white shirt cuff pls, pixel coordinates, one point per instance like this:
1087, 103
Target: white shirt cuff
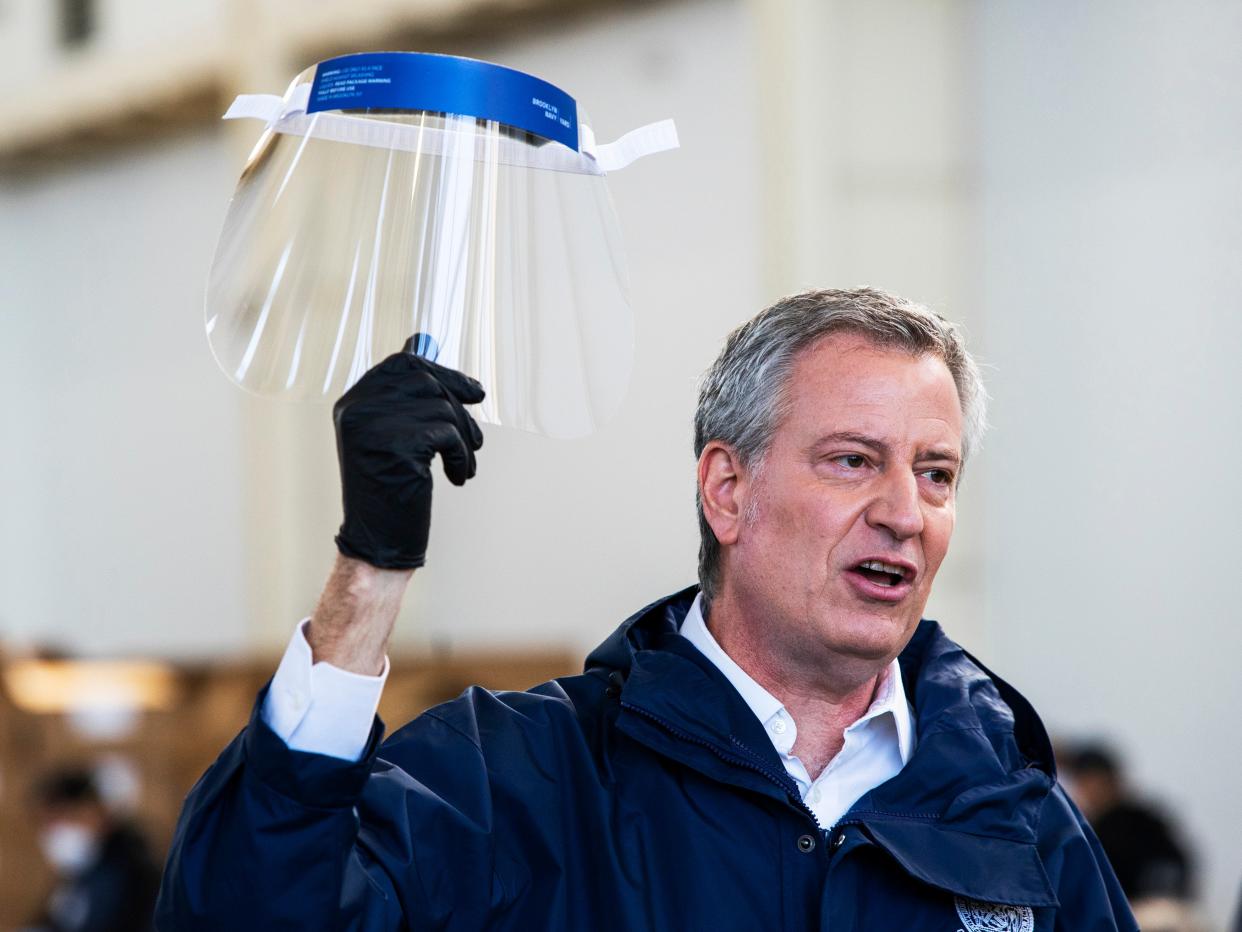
319, 708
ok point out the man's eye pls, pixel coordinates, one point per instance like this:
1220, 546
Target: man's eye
939, 476
852, 460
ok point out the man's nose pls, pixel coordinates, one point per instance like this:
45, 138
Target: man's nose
897, 506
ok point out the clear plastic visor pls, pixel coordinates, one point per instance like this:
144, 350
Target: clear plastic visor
350, 231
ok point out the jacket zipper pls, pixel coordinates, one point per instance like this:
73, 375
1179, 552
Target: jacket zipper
756, 766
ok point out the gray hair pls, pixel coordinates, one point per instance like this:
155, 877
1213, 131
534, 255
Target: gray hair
742, 398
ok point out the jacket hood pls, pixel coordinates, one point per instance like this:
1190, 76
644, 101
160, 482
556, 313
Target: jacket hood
649, 628
970, 796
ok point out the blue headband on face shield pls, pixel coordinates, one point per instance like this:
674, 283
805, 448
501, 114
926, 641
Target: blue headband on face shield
445, 84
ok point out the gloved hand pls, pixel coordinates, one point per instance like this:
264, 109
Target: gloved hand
388, 427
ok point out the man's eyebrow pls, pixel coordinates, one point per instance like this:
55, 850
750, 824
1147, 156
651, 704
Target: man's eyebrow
947, 454
942, 453
849, 436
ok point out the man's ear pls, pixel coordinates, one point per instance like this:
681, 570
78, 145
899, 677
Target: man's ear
720, 475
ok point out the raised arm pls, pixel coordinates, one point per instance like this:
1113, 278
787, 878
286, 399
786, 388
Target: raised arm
270, 836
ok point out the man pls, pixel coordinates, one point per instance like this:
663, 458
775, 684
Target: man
1141, 845
106, 879
788, 748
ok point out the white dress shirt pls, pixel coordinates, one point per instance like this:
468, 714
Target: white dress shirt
320, 708
876, 746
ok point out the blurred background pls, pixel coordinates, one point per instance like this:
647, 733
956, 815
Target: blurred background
1064, 178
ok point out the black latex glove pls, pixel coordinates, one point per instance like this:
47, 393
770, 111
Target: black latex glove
388, 428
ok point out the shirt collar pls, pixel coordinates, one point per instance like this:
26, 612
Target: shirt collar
890, 694
890, 698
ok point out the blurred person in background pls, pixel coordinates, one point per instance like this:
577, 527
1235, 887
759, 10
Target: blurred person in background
785, 746
106, 877
1153, 868
1138, 839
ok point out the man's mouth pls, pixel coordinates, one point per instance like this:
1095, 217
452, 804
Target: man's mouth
881, 580
882, 574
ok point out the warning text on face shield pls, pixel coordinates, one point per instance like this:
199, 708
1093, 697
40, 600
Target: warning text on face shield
350, 82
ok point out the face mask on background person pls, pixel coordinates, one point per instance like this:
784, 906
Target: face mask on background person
68, 847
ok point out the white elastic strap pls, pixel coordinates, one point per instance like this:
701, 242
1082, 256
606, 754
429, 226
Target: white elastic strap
290, 117
266, 107
646, 140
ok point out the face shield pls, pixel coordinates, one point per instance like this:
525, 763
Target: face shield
393, 194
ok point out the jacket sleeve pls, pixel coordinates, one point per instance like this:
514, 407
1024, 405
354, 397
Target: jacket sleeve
269, 839
278, 839
1091, 899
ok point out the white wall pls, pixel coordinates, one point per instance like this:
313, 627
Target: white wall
1110, 140
120, 477
27, 36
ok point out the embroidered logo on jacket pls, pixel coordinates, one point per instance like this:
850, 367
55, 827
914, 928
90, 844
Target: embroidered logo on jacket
978, 916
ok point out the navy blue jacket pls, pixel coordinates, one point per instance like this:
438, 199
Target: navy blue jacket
643, 794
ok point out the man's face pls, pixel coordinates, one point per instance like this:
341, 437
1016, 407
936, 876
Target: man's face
846, 522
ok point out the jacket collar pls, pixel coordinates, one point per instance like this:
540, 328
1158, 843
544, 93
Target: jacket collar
962, 815
677, 702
